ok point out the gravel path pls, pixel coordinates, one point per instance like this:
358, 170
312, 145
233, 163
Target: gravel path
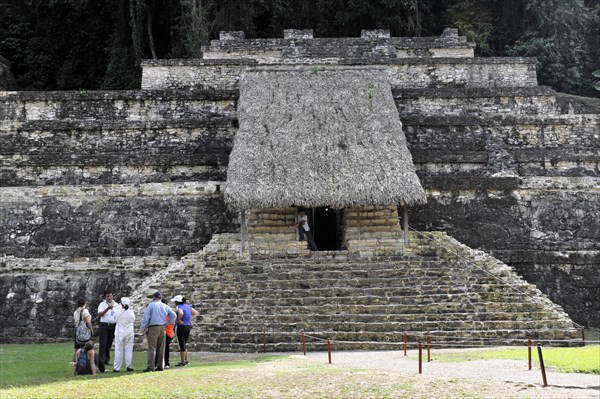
511, 373
475, 378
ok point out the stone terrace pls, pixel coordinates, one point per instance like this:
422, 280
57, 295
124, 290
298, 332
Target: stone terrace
438, 285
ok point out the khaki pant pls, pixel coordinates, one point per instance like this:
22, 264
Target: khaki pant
156, 346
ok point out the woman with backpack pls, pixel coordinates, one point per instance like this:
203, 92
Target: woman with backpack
86, 361
83, 331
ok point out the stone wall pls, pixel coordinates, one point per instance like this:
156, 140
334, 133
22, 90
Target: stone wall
300, 46
170, 219
270, 231
409, 73
515, 145
475, 101
371, 230
39, 296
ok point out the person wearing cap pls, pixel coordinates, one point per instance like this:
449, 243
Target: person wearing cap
124, 337
153, 325
185, 314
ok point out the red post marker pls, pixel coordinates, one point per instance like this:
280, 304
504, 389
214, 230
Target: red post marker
405, 342
265, 343
428, 348
420, 357
329, 349
304, 344
539, 347
529, 351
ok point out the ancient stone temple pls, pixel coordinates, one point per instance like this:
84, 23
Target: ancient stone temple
424, 171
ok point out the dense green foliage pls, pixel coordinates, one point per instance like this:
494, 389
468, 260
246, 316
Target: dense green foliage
85, 44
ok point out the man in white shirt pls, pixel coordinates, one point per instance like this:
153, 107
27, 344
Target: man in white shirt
303, 228
106, 331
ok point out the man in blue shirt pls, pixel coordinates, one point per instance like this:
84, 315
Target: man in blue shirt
153, 324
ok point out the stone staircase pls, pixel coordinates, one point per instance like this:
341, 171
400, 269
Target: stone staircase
437, 285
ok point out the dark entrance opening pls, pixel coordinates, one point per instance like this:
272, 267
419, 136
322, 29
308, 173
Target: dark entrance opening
325, 228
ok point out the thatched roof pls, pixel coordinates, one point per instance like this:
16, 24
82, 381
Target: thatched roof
320, 136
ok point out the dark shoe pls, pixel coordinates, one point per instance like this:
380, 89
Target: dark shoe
157, 369
181, 364
129, 369
186, 362
115, 371
147, 369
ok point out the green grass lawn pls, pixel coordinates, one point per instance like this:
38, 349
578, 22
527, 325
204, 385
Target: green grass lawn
569, 360
43, 371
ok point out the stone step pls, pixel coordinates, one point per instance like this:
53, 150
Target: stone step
277, 341
375, 305
363, 272
350, 325
307, 318
398, 294
407, 286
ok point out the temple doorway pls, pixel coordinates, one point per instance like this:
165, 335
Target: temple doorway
325, 228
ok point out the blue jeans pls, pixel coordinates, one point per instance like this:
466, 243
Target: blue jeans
311, 241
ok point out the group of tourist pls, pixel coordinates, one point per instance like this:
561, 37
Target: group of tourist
160, 324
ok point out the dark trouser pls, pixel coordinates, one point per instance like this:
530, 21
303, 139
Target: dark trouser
183, 334
311, 241
106, 336
167, 343
156, 346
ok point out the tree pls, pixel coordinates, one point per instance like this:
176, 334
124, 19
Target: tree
557, 33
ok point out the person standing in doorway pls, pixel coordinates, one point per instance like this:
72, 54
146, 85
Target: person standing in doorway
153, 324
304, 229
185, 314
106, 331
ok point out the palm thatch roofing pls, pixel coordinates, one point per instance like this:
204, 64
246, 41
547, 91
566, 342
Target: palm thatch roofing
319, 136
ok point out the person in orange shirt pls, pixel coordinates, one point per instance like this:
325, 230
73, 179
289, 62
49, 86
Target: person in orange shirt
169, 335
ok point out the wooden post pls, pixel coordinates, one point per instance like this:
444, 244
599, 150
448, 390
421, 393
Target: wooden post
539, 347
420, 357
428, 347
529, 350
405, 223
304, 344
405, 342
264, 343
329, 349
242, 231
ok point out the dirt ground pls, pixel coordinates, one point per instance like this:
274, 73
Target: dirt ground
376, 374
